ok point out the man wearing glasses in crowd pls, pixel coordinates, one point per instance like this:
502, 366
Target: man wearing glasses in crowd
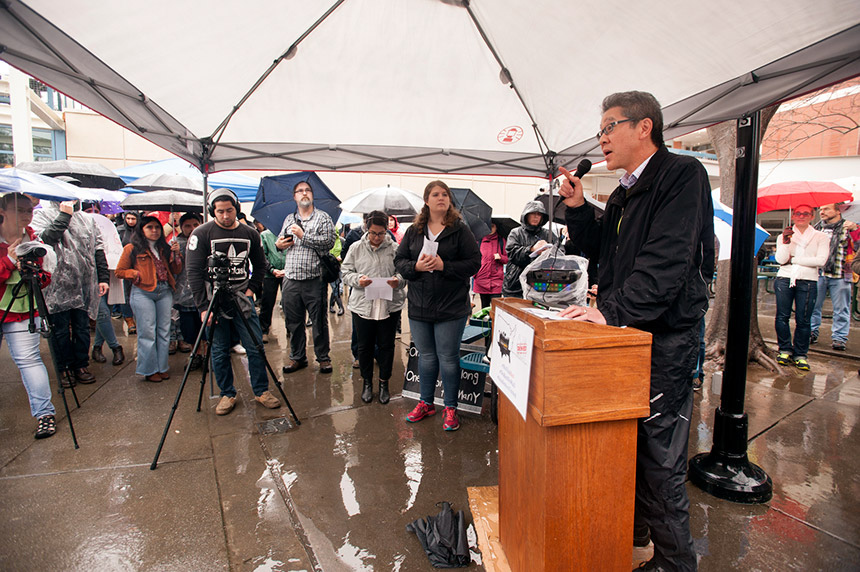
307, 234
800, 251
655, 247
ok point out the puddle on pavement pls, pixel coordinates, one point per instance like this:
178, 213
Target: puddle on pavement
275, 426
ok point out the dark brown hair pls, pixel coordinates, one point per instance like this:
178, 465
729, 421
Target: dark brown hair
451, 217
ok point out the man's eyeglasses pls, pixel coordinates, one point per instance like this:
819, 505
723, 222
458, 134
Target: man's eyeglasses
610, 127
303, 192
802, 213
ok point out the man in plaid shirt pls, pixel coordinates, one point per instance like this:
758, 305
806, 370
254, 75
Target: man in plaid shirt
305, 235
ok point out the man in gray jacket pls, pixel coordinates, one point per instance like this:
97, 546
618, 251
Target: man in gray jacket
522, 242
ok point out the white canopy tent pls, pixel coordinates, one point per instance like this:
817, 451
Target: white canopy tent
495, 87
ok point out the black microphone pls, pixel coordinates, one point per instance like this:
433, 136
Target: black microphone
582, 169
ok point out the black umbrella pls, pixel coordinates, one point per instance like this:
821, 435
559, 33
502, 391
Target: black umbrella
275, 198
443, 538
475, 211
173, 201
89, 174
504, 225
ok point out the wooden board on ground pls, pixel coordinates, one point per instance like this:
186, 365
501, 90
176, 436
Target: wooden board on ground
484, 504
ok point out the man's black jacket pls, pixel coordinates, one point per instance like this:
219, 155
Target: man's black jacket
655, 246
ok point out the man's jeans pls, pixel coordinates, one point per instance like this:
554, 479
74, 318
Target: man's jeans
24, 348
439, 347
152, 311
104, 327
71, 333
840, 296
802, 298
222, 341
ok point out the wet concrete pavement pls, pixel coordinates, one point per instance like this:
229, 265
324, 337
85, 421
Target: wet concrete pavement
251, 491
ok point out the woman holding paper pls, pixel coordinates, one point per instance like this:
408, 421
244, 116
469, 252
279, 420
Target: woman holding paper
438, 255
375, 301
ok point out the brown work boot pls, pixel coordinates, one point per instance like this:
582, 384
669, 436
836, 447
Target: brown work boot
82, 375
225, 406
295, 365
185, 347
266, 399
132, 327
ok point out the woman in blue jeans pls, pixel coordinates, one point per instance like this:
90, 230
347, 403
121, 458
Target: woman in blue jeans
150, 264
438, 296
16, 212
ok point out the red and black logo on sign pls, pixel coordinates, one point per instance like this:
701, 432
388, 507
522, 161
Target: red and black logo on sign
510, 135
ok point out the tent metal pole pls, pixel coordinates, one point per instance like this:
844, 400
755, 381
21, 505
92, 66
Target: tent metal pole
726, 472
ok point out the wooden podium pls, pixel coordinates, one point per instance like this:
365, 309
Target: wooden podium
567, 473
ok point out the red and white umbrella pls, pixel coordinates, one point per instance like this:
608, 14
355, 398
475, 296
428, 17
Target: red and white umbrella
788, 195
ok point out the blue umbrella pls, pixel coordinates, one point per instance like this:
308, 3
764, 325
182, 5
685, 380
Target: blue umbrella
14, 180
275, 198
723, 228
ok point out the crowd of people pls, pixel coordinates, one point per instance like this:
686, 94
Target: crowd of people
649, 252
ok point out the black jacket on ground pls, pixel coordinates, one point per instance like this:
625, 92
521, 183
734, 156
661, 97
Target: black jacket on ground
519, 244
443, 295
655, 246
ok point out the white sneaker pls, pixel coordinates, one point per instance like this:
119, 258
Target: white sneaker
238, 349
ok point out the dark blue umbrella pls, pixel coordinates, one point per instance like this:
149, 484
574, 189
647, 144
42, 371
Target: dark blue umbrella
475, 211
275, 198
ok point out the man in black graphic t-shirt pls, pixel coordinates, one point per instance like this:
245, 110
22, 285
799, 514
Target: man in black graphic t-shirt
242, 245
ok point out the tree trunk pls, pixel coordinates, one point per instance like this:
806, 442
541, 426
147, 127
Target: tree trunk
724, 138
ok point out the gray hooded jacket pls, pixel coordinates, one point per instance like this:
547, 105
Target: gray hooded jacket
520, 242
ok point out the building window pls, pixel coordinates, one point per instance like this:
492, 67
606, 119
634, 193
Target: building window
43, 146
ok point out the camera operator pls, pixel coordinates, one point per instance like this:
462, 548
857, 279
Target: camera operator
16, 212
225, 236
78, 282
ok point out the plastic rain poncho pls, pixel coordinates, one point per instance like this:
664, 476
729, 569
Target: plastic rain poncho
74, 284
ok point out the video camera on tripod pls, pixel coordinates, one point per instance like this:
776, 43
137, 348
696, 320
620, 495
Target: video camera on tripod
218, 267
30, 254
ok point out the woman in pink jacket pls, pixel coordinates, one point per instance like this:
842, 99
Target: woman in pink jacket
488, 280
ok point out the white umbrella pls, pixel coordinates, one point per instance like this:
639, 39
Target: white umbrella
163, 181
390, 200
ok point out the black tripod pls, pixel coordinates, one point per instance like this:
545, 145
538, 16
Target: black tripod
223, 303
31, 279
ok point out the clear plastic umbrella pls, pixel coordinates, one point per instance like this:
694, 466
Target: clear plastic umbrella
390, 200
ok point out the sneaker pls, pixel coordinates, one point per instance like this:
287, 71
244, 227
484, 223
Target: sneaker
801, 363
839, 345
784, 359
266, 399
452, 421
238, 349
421, 411
295, 365
340, 311
813, 337
325, 366
47, 427
225, 406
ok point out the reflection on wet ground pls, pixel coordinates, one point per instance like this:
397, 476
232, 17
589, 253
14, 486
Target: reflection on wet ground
252, 491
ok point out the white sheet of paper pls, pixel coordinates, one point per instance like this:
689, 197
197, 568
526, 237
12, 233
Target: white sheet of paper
537, 252
431, 247
379, 289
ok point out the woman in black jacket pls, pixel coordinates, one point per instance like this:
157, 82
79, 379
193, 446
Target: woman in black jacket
438, 296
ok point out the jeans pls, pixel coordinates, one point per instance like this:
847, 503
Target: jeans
222, 341
840, 295
71, 334
189, 323
373, 334
297, 297
699, 372
24, 348
104, 327
271, 285
803, 298
438, 344
152, 315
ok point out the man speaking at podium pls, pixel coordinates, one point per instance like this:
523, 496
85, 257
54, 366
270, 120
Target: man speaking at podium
655, 251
